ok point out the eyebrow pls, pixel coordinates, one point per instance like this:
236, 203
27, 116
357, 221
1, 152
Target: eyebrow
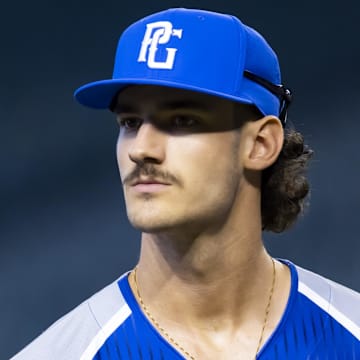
167, 106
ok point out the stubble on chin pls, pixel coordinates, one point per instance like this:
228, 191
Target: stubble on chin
145, 216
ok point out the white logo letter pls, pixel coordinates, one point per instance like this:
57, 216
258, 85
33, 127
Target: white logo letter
158, 33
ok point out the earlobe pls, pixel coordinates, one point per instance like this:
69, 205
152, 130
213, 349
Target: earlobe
267, 136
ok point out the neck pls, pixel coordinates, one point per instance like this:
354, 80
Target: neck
225, 273
219, 280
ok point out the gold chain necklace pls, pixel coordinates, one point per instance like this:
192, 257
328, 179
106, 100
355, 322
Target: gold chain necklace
176, 344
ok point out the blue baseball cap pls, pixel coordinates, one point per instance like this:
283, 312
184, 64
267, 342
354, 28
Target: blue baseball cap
196, 50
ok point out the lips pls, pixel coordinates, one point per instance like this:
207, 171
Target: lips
148, 181
148, 185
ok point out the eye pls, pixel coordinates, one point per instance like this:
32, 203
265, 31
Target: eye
184, 121
129, 122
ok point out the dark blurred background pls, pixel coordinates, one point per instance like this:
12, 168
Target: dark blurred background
63, 228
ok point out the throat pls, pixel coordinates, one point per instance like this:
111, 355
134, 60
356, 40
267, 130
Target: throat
213, 327
211, 276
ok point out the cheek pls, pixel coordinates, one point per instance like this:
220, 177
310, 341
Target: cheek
122, 157
208, 162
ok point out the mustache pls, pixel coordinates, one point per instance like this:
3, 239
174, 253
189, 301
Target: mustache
150, 170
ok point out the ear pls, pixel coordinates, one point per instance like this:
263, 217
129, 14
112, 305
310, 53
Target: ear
264, 141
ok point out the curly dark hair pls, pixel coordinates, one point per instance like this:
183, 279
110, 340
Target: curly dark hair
284, 185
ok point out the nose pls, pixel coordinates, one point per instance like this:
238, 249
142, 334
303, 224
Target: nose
148, 145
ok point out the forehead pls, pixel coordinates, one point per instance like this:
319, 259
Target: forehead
141, 97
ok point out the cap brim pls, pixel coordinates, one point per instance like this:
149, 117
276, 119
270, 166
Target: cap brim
100, 94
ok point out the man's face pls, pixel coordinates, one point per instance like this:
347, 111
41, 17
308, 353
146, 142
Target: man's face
179, 158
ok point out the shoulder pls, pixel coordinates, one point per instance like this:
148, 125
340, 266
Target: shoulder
71, 335
340, 302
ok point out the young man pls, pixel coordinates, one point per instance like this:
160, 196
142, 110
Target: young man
206, 164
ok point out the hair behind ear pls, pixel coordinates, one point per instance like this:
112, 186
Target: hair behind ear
284, 185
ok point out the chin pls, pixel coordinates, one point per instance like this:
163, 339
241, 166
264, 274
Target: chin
150, 226
149, 222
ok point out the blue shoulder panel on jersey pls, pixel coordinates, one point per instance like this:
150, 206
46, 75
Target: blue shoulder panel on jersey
135, 338
308, 329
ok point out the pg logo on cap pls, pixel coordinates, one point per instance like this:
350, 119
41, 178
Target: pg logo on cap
158, 33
